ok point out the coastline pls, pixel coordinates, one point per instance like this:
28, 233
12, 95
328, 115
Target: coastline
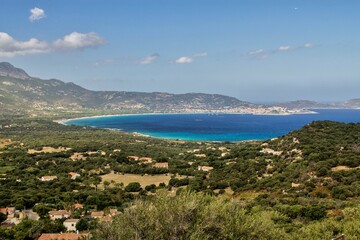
63, 121
192, 137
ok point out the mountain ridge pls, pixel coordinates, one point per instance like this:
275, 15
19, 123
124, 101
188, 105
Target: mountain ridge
8, 70
20, 91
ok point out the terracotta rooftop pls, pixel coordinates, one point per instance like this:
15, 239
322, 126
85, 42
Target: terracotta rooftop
78, 206
161, 165
134, 157
71, 220
63, 236
97, 214
59, 212
3, 210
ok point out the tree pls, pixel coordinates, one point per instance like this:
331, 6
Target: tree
2, 217
82, 225
106, 184
133, 187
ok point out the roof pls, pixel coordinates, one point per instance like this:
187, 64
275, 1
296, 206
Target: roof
161, 164
78, 205
59, 212
3, 210
205, 168
49, 177
63, 236
72, 220
97, 214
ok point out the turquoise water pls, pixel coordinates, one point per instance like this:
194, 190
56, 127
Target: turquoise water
215, 127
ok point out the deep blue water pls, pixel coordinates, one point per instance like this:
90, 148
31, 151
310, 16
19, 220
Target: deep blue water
215, 127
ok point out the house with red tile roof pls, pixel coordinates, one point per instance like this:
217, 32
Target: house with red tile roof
78, 206
64, 236
205, 168
98, 214
161, 165
70, 224
59, 214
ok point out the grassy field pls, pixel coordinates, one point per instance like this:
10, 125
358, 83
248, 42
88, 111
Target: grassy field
48, 150
5, 169
144, 180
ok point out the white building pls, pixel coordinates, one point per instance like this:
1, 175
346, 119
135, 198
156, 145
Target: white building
70, 224
59, 214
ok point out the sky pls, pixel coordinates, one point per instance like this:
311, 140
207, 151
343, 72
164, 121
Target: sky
254, 50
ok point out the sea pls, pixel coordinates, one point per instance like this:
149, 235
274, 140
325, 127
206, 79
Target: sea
215, 127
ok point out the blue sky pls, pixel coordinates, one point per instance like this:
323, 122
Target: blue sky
260, 51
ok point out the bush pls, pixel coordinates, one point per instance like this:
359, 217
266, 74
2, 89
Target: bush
190, 215
133, 187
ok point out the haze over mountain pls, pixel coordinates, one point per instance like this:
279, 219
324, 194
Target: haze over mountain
20, 91
8, 70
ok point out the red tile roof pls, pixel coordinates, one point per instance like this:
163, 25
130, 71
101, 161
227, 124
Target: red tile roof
78, 205
97, 214
63, 236
59, 212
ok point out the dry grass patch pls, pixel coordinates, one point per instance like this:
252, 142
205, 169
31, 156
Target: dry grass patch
144, 180
343, 168
49, 150
5, 142
228, 192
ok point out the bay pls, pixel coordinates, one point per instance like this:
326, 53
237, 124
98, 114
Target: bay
215, 127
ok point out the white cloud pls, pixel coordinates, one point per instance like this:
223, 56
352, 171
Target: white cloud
10, 47
77, 40
36, 14
261, 53
202, 54
284, 48
184, 60
149, 59
256, 52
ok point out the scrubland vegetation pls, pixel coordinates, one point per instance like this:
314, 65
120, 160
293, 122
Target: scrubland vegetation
305, 185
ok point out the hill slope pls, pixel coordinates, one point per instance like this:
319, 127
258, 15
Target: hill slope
18, 90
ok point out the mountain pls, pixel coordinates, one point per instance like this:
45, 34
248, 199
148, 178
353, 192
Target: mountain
305, 104
20, 91
353, 103
8, 70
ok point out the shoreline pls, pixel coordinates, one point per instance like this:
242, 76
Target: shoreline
179, 138
63, 121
